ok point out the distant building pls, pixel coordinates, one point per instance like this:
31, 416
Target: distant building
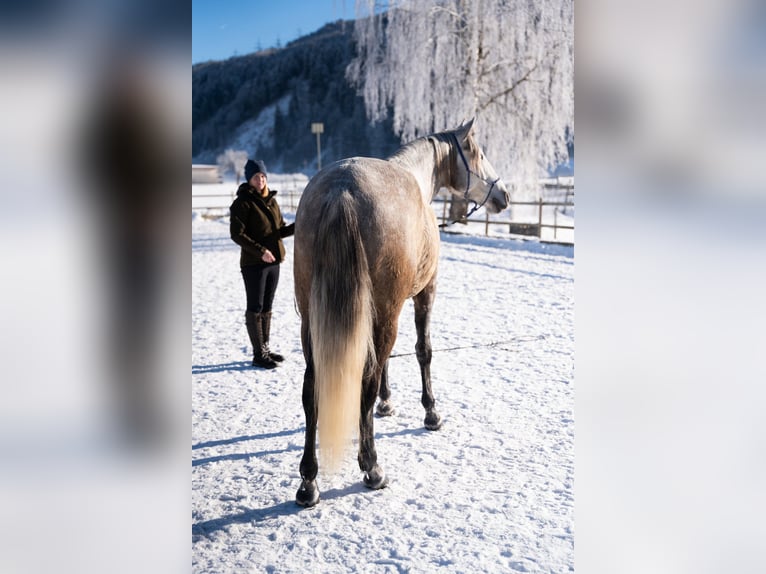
204, 173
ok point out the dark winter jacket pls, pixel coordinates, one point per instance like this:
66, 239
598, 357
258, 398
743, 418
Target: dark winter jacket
257, 225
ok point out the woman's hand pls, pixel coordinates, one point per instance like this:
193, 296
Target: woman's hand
268, 257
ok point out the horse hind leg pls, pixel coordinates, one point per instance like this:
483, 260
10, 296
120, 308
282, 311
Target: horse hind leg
423, 304
308, 493
374, 476
385, 407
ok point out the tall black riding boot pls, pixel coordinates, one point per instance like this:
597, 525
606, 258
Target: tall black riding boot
266, 326
255, 332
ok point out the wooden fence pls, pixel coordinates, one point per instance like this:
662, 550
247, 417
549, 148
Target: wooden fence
213, 201
551, 215
550, 218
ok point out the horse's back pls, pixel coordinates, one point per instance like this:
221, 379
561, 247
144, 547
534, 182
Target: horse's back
368, 180
398, 228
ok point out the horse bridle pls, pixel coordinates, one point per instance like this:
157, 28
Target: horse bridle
468, 180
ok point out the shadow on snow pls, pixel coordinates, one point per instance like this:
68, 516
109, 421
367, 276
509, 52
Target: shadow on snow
233, 366
286, 508
244, 455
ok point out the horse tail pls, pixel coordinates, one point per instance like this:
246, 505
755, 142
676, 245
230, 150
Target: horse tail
341, 323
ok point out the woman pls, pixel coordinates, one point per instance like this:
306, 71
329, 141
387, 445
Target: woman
257, 227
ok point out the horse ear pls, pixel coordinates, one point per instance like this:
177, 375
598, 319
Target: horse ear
466, 128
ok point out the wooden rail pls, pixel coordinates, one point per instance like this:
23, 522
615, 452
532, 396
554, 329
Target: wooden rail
515, 227
217, 205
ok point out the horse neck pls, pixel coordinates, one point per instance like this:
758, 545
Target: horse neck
429, 160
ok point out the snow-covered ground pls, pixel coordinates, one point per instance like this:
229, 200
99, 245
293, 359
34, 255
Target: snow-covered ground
491, 491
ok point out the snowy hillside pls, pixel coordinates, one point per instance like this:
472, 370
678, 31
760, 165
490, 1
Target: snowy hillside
491, 491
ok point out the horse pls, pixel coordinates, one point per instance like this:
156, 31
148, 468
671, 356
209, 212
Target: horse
366, 239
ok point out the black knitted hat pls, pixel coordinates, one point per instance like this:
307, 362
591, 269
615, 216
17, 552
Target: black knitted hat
252, 167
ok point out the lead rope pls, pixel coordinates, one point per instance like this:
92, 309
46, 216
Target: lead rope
527, 339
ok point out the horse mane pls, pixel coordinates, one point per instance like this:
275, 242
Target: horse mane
409, 153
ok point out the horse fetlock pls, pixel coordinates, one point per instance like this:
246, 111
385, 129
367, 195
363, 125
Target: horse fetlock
385, 409
375, 478
433, 421
308, 494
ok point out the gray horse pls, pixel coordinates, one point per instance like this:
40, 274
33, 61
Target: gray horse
366, 239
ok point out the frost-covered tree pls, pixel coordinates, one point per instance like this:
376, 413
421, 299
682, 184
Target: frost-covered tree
232, 160
509, 63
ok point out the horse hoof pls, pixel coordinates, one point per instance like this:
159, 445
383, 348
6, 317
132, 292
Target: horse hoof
308, 494
375, 479
385, 409
433, 420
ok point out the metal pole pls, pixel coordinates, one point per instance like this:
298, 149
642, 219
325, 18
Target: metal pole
319, 153
318, 128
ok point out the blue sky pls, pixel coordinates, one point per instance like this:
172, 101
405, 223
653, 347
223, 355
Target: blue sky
224, 28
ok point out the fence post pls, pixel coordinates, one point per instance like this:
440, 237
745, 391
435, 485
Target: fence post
555, 222
486, 223
540, 218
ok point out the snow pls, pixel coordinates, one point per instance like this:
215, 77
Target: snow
491, 491
258, 133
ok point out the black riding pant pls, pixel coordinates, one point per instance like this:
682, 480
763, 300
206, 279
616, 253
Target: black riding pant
260, 285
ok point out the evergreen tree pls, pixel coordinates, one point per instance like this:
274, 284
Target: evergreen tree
310, 72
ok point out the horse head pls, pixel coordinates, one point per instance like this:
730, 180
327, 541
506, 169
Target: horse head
477, 179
